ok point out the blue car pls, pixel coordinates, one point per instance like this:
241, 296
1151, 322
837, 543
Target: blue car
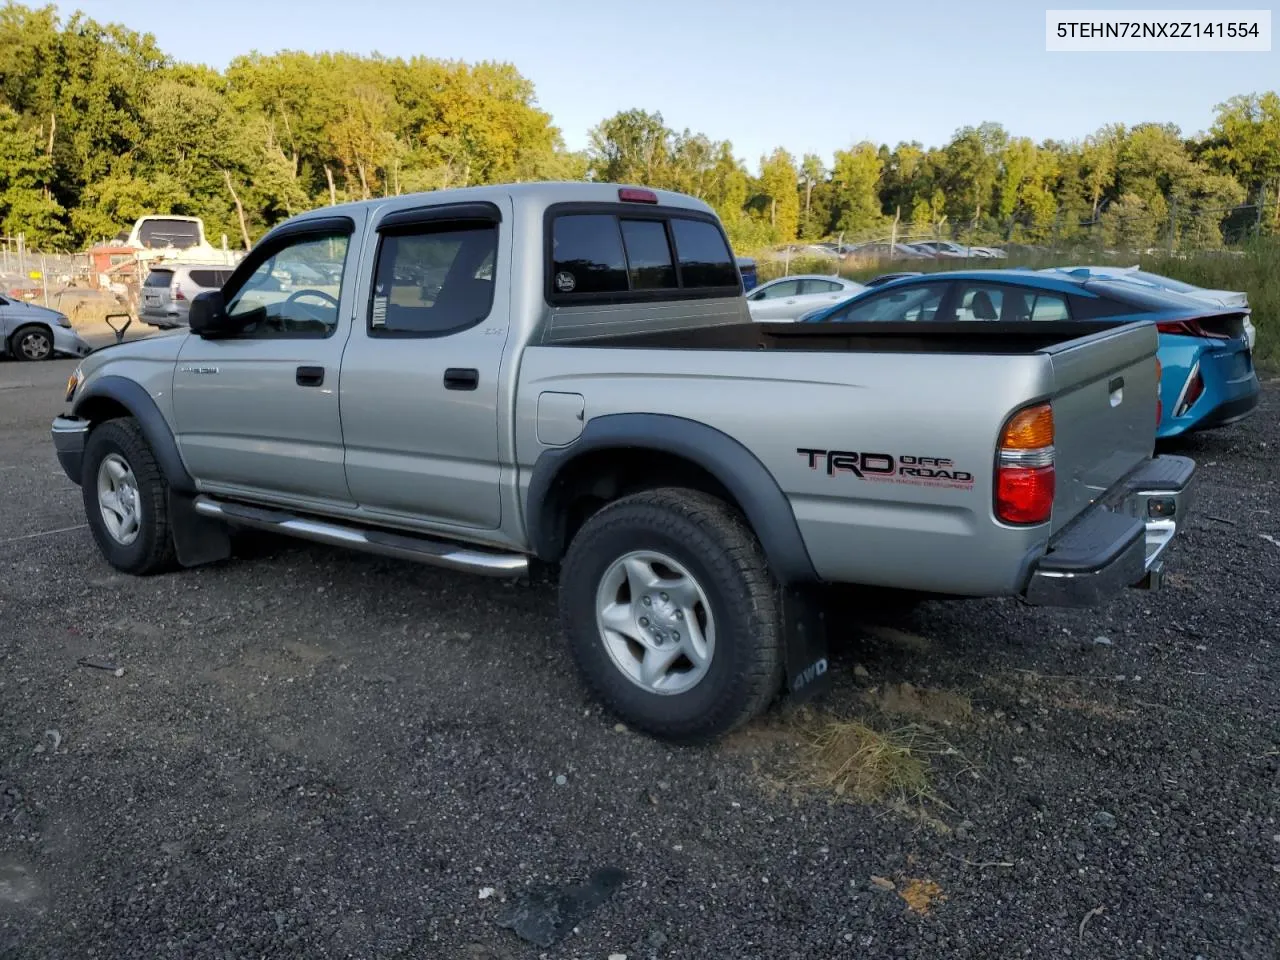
1207, 376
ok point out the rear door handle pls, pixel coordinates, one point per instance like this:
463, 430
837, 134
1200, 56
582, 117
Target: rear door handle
310, 376
461, 378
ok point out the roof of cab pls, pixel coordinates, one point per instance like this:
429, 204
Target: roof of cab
538, 195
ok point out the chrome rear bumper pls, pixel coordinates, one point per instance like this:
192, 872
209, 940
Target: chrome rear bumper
1120, 541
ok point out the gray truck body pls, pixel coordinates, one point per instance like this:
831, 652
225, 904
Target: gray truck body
388, 453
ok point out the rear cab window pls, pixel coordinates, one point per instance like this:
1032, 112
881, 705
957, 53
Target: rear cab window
158, 279
621, 253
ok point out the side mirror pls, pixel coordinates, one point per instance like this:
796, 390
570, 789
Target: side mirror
208, 315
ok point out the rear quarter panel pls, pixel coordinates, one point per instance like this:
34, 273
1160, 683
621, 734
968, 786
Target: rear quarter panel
896, 530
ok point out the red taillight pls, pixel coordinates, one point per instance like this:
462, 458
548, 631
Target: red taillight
635, 195
1025, 473
1191, 392
178, 294
1190, 328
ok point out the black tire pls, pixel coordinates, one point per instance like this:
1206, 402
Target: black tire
152, 551
31, 343
717, 548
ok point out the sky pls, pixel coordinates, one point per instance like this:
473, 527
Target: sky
759, 73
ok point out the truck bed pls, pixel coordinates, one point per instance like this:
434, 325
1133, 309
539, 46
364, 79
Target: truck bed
987, 337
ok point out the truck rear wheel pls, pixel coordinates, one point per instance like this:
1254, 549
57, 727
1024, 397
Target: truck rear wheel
672, 615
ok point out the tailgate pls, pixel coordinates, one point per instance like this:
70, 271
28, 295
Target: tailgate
1104, 413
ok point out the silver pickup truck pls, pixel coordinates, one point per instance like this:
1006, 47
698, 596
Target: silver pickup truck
567, 375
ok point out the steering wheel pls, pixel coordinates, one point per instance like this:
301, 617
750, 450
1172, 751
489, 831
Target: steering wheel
310, 311
299, 294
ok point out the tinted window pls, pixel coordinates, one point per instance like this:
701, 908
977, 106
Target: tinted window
169, 233
705, 260
294, 292
587, 255
1093, 308
1141, 296
159, 278
889, 306
648, 254
433, 282
209, 278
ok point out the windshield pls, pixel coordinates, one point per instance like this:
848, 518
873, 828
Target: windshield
169, 233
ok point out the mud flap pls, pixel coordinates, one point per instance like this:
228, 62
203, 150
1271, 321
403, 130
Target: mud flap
197, 540
804, 633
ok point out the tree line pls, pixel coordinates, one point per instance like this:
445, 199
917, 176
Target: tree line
98, 126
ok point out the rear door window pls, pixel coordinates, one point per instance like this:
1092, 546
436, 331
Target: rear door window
899, 305
432, 282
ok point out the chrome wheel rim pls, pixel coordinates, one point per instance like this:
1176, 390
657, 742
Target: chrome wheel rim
655, 622
35, 345
118, 499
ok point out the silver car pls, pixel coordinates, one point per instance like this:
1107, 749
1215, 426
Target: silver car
168, 291
31, 332
789, 297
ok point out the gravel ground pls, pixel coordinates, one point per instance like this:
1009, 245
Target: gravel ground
313, 753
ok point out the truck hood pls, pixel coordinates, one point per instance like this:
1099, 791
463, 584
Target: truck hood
163, 347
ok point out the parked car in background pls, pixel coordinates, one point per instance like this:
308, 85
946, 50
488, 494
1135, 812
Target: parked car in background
940, 249
750, 278
993, 253
788, 298
1207, 375
168, 291
31, 332
881, 250
1225, 298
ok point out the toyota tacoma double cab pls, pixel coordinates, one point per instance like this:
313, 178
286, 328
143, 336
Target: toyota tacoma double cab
567, 375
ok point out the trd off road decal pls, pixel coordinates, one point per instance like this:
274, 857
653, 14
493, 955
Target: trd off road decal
890, 468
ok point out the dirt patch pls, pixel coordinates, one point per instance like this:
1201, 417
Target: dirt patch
939, 707
853, 760
911, 642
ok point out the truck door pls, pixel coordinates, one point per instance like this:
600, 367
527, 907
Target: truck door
257, 413
419, 397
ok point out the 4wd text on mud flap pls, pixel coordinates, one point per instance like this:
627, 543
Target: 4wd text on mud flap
809, 674
874, 466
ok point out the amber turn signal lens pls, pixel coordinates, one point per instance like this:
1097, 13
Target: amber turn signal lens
1029, 429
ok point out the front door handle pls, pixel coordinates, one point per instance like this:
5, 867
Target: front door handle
310, 376
461, 378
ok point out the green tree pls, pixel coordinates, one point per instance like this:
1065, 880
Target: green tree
856, 177
778, 180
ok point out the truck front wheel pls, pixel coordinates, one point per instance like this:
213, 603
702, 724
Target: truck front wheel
672, 615
126, 499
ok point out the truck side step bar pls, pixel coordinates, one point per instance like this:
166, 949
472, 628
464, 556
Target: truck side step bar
439, 553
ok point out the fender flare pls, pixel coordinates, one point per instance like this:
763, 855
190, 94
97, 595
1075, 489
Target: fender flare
740, 472
131, 395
